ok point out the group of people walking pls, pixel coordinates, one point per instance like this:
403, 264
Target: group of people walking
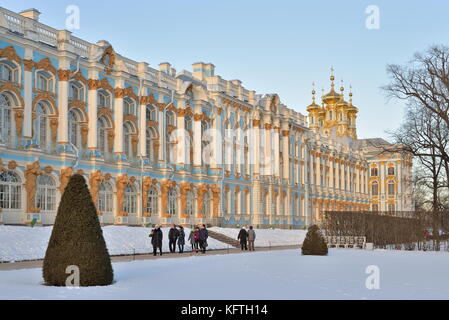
247, 238
198, 239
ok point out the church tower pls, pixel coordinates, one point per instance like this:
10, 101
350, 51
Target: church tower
336, 117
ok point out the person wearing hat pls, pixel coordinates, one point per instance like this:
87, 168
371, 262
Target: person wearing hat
243, 237
156, 236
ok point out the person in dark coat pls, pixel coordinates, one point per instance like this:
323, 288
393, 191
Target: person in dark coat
156, 239
194, 238
243, 237
173, 235
181, 239
203, 234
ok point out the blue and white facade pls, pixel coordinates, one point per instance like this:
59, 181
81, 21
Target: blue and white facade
155, 146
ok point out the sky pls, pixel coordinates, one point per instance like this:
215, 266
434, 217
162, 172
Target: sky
271, 46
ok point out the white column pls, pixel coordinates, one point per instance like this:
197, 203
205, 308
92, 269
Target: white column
92, 105
182, 138
276, 153
268, 156
331, 172
63, 100
255, 147
217, 142
197, 141
28, 97
143, 123
118, 117
285, 154
161, 128
318, 169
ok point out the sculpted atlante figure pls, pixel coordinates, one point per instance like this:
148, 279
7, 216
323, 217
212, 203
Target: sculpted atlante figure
31, 173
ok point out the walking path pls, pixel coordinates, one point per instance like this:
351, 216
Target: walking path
127, 258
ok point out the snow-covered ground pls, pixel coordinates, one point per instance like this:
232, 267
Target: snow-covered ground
26, 243
269, 237
256, 276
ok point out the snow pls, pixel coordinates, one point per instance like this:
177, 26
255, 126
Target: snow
21, 243
269, 237
25, 243
283, 275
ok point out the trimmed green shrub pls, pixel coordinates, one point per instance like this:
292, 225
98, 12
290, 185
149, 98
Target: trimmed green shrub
77, 240
314, 243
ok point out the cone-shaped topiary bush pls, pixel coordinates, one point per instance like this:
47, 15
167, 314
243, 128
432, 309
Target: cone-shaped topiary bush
314, 243
77, 240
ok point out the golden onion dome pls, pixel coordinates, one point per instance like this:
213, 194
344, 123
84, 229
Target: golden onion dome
351, 107
313, 106
342, 103
331, 97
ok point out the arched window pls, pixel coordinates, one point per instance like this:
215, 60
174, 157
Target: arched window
41, 125
170, 118
10, 190
104, 99
105, 198
169, 148
172, 203
127, 144
130, 203
391, 207
74, 119
375, 188
76, 91
151, 137
44, 81
102, 134
391, 188
129, 107
375, 207
391, 171
152, 204
151, 113
8, 71
190, 204
206, 204
5, 119
46, 194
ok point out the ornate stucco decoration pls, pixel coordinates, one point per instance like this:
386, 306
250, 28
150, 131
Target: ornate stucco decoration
202, 189
46, 65
108, 59
95, 180
12, 165
32, 171
64, 177
184, 190
215, 200
10, 54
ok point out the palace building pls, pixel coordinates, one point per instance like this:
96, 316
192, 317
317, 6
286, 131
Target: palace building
160, 146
